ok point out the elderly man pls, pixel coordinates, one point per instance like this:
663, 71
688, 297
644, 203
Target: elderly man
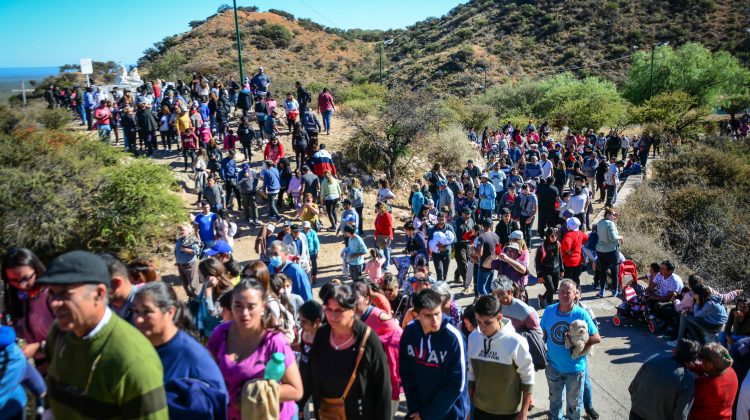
565, 374
279, 262
296, 243
99, 365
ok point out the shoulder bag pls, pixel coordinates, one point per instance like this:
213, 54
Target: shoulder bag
335, 408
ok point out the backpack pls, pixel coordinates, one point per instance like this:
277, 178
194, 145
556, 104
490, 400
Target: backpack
286, 323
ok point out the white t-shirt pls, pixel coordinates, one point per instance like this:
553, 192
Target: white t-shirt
577, 203
546, 168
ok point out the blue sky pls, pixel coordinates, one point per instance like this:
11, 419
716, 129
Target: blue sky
54, 32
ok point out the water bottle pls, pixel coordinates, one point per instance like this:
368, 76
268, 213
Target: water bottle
275, 367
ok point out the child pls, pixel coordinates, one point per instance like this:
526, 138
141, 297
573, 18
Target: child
205, 133
294, 188
310, 318
230, 141
374, 267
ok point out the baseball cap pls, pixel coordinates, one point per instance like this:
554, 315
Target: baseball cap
513, 245
219, 247
306, 224
515, 235
76, 267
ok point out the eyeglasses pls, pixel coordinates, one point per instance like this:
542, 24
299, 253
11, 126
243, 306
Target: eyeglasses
24, 279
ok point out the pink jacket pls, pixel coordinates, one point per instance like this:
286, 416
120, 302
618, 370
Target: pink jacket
390, 334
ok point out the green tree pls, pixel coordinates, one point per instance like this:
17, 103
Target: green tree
169, 66
693, 69
671, 113
579, 104
737, 102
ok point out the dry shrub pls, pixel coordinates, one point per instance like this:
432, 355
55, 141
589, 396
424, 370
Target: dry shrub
451, 148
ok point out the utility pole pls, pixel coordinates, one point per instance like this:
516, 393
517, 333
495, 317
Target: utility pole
239, 43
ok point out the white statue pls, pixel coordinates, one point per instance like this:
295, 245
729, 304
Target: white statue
134, 76
122, 75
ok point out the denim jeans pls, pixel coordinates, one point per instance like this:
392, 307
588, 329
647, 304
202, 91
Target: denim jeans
588, 401
327, 120
272, 211
104, 132
572, 385
387, 255
484, 281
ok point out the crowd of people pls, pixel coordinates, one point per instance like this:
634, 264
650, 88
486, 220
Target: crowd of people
254, 341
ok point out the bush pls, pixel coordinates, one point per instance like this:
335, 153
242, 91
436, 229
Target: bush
279, 34
451, 148
285, 15
70, 186
54, 119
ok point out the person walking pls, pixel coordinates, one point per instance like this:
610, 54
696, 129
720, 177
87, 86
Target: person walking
432, 363
99, 365
501, 371
565, 374
247, 186
271, 187
326, 108
330, 193
384, 232
549, 266
572, 249
349, 375
607, 251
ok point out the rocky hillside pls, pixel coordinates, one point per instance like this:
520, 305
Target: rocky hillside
518, 38
289, 49
512, 39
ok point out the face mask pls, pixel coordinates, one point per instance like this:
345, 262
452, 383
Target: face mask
276, 261
288, 290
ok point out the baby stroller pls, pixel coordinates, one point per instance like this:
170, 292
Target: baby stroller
634, 306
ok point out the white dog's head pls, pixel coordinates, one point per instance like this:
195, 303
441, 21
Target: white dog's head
578, 331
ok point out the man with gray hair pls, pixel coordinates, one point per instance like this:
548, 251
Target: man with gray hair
279, 262
523, 318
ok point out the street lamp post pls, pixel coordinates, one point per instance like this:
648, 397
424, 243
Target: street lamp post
239, 43
382, 44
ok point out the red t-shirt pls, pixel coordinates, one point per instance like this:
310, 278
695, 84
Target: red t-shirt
102, 115
384, 225
714, 396
325, 101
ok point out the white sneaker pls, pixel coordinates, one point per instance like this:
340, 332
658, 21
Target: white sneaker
672, 343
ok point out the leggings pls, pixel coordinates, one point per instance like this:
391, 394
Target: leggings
331, 211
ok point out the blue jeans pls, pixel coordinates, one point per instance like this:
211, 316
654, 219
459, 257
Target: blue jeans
104, 132
327, 120
572, 385
387, 256
82, 113
484, 281
587, 398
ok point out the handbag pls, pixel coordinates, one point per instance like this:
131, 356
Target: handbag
382, 242
334, 408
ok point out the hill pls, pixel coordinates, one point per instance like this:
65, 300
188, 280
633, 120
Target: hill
290, 49
515, 39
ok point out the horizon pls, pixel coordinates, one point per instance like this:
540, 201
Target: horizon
124, 45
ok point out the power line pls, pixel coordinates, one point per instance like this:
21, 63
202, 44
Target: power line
319, 14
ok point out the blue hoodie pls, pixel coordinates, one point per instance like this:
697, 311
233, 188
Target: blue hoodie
433, 371
712, 311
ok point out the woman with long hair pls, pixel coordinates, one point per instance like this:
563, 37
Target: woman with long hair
347, 350
25, 302
330, 193
549, 266
358, 200
285, 176
167, 324
166, 120
243, 347
300, 141
216, 281
389, 331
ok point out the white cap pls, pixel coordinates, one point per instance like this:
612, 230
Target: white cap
573, 224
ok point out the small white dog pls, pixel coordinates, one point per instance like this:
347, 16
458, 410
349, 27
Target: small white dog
576, 339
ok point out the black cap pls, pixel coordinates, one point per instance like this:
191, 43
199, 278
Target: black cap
347, 202
466, 210
76, 267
